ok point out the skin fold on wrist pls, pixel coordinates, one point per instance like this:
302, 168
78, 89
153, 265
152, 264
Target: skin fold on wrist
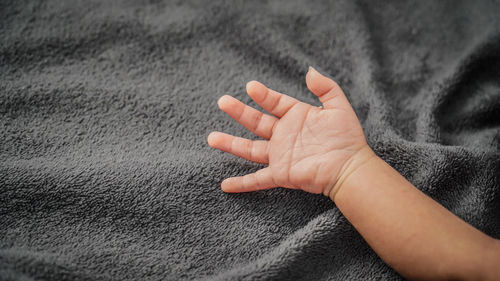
360, 158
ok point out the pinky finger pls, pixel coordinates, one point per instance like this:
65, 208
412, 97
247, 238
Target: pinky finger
260, 180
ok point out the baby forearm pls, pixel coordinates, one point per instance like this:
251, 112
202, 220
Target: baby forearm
411, 232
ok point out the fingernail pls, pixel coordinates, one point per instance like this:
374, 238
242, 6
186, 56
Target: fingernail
223, 185
211, 138
220, 101
312, 70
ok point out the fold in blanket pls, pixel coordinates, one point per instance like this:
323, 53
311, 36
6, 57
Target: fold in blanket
105, 107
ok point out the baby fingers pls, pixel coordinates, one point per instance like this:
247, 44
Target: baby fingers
276, 103
256, 151
327, 90
260, 180
259, 123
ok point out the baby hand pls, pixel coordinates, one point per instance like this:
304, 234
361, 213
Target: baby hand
306, 147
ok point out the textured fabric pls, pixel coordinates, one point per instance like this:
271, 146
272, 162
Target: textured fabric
105, 106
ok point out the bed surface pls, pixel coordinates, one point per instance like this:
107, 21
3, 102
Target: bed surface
105, 106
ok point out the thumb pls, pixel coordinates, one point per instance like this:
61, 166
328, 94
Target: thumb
328, 91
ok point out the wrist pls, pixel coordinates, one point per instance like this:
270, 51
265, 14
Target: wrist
352, 168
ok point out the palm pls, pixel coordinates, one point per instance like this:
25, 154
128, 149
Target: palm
308, 147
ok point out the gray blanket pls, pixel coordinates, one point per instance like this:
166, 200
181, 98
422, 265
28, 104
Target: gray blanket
105, 173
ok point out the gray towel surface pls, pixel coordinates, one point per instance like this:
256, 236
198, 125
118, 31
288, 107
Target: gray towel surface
105, 106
